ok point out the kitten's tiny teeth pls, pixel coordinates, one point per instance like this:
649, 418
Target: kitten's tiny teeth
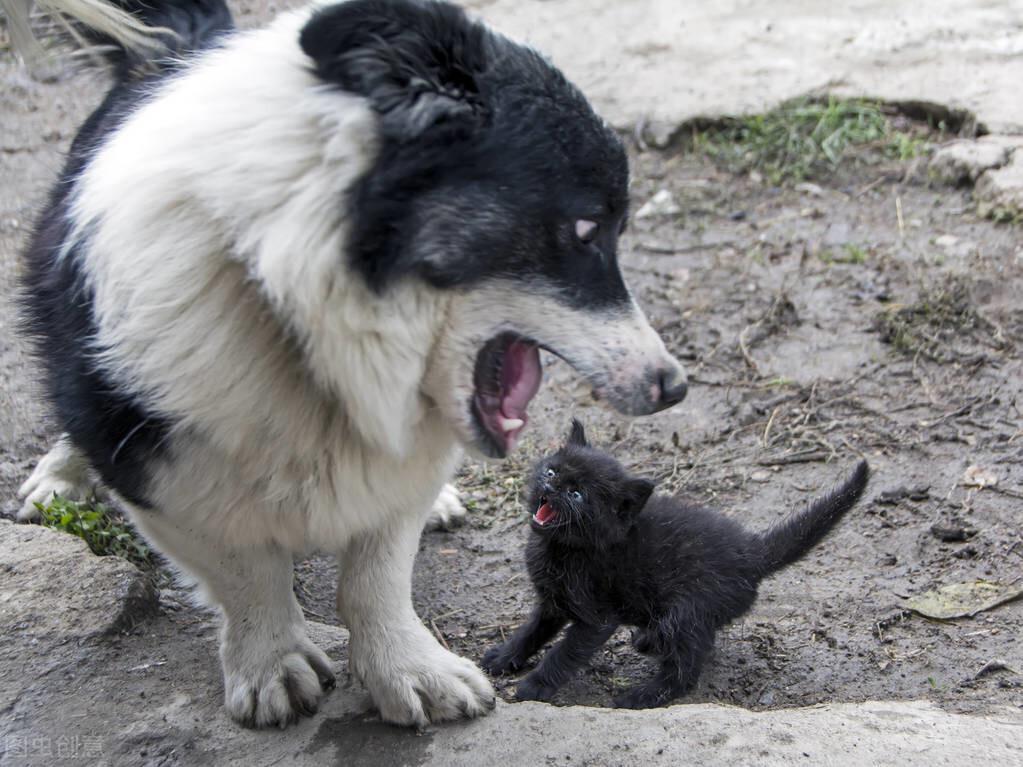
511, 424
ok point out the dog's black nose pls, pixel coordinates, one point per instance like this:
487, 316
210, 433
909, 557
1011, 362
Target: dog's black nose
672, 383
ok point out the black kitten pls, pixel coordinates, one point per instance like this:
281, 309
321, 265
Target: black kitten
604, 552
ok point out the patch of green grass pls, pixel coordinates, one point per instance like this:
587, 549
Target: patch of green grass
906, 146
777, 383
98, 526
850, 254
1003, 215
805, 137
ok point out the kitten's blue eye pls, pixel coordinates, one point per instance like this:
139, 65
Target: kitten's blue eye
550, 473
575, 495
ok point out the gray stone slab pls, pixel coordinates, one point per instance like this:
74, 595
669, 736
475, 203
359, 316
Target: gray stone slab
668, 61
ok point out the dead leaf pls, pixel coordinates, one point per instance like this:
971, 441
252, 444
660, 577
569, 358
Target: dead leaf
994, 665
977, 476
962, 600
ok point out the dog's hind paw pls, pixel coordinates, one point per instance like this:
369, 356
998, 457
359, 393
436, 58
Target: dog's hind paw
273, 688
63, 471
414, 681
447, 511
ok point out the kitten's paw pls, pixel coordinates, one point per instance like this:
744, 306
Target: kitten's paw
63, 471
501, 660
415, 681
274, 686
447, 511
643, 696
532, 688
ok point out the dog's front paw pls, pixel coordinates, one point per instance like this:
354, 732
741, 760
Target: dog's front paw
534, 688
274, 686
415, 681
501, 660
447, 511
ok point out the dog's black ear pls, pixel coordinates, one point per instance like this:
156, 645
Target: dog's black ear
415, 61
578, 435
635, 495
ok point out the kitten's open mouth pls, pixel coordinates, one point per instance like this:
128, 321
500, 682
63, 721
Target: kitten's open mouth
545, 514
506, 378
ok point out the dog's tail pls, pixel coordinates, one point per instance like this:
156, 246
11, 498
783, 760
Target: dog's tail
791, 538
135, 36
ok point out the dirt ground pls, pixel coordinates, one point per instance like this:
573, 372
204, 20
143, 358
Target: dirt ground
865, 314
878, 317
792, 380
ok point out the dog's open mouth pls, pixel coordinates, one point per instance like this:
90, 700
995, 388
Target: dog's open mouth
507, 376
545, 514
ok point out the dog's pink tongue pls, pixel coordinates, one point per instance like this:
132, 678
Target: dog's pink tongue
520, 378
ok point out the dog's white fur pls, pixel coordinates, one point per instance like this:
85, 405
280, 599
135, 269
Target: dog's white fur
309, 412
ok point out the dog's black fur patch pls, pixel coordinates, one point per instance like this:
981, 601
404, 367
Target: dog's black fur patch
488, 154
109, 424
614, 554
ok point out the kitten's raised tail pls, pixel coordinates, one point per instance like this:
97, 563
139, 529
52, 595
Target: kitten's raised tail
791, 538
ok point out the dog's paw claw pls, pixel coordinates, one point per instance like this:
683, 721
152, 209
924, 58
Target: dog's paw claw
426, 684
275, 689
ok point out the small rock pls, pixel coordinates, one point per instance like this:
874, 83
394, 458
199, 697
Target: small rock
999, 192
977, 476
952, 533
962, 162
760, 475
661, 204
55, 590
898, 494
807, 187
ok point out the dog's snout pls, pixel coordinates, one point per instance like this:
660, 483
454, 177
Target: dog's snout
671, 383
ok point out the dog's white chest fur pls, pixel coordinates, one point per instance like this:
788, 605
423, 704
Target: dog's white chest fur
316, 502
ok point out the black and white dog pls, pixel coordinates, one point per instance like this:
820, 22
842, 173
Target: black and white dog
287, 274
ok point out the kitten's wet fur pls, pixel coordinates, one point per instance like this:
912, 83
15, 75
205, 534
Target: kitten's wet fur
605, 551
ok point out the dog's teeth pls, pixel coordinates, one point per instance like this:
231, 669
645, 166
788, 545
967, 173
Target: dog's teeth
511, 424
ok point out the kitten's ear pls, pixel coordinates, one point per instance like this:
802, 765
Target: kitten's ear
416, 63
578, 435
635, 495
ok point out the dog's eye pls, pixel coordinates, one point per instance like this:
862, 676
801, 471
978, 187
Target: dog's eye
575, 495
586, 230
550, 473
